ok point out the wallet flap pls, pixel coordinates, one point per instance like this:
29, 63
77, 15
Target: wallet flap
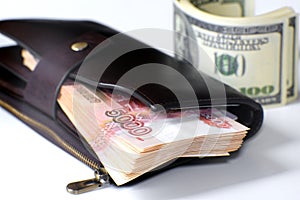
42, 36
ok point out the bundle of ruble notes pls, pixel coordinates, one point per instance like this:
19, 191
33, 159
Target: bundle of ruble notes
130, 139
257, 55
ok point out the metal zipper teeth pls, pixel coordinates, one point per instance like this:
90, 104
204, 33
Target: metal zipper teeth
67, 147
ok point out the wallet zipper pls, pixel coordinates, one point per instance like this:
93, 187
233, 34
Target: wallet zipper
101, 176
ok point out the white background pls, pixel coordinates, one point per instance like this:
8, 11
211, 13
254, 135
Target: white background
268, 167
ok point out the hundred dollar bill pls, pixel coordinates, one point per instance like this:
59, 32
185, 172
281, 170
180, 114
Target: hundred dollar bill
257, 55
293, 52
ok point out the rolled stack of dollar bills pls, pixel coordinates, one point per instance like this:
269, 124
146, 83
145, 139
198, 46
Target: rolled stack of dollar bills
257, 55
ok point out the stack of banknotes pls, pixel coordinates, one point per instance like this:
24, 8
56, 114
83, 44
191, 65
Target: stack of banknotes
130, 139
257, 55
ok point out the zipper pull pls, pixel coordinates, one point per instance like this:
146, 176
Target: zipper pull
101, 179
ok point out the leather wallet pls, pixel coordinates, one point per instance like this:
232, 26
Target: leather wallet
31, 95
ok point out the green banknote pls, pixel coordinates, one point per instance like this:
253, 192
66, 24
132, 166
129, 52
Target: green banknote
256, 55
292, 71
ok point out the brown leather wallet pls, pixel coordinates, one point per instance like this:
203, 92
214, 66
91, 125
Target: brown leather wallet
31, 95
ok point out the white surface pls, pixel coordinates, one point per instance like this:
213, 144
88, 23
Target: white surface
268, 166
